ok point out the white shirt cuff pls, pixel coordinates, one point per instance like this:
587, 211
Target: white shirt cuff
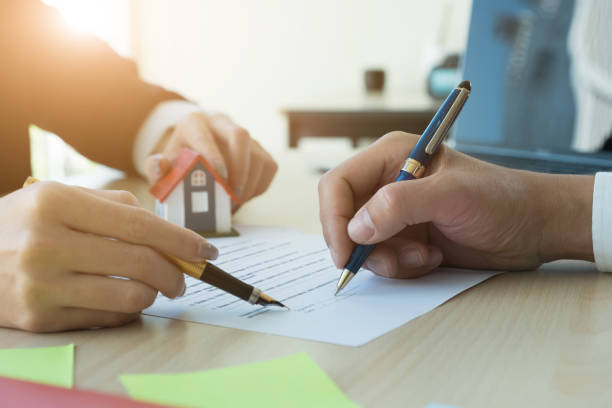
602, 221
164, 116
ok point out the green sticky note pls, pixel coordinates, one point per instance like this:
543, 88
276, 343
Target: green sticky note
47, 365
292, 381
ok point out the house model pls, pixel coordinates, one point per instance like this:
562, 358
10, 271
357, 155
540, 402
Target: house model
194, 196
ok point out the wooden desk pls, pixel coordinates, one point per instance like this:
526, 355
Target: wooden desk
359, 118
539, 339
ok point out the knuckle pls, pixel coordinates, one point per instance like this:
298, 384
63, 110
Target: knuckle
136, 298
136, 225
220, 116
399, 137
34, 249
394, 135
30, 293
30, 316
128, 198
46, 196
240, 135
389, 201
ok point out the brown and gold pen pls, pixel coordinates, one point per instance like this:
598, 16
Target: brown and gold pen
213, 275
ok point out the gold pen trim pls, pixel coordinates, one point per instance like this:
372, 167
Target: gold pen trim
193, 269
414, 167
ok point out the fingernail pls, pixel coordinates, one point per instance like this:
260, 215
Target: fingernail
182, 290
361, 227
411, 258
208, 251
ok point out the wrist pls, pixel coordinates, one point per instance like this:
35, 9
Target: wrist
566, 206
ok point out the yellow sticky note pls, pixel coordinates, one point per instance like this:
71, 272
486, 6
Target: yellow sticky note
292, 381
47, 365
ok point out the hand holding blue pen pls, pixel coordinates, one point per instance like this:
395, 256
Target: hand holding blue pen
415, 165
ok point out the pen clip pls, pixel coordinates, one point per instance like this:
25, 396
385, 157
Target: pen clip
447, 122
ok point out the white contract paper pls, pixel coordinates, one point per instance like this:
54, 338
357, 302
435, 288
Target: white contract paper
296, 269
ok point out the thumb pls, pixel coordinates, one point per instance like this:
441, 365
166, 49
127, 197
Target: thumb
156, 166
393, 208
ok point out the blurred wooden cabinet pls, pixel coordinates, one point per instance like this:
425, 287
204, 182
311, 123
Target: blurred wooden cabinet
359, 118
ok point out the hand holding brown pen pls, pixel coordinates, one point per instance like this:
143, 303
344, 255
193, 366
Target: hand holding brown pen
56, 257
209, 273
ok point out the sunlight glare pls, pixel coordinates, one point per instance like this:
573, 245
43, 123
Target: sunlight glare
106, 19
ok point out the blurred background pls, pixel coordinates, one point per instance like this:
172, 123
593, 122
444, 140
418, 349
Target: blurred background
269, 62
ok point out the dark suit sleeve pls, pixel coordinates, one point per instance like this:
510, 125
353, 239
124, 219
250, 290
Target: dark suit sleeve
80, 89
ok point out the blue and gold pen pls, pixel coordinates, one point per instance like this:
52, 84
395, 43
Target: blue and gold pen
416, 164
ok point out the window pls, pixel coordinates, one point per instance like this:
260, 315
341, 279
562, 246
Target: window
198, 178
199, 202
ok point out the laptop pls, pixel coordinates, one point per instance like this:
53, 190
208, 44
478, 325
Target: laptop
521, 110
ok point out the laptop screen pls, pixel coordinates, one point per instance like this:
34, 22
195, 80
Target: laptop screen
518, 63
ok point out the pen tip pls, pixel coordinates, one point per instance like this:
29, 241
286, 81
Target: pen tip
347, 275
274, 302
265, 300
279, 304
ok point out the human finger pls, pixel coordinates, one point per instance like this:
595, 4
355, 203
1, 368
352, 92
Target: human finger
104, 293
156, 167
347, 186
236, 142
88, 213
398, 205
53, 319
382, 261
415, 257
269, 170
119, 196
79, 318
401, 260
101, 256
199, 137
256, 168
377, 165
336, 207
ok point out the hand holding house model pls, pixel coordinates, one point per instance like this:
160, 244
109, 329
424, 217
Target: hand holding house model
193, 195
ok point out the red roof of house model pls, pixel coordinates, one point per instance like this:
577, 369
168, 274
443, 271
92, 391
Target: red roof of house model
184, 163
